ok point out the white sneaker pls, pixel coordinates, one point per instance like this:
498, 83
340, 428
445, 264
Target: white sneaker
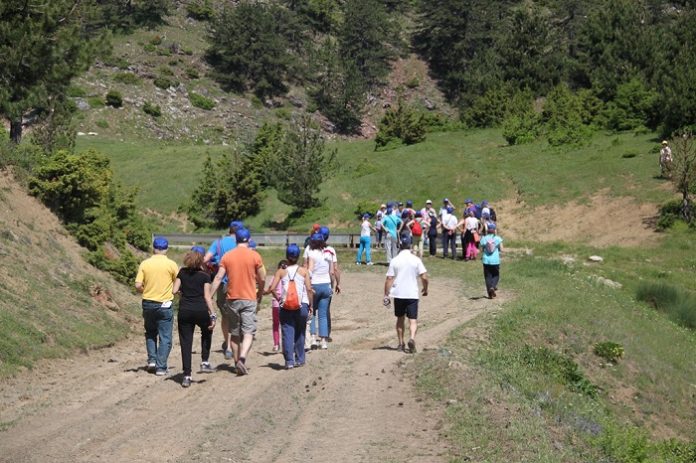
314, 344
324, 344
369, 263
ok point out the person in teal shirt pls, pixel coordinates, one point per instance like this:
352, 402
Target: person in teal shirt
492, 246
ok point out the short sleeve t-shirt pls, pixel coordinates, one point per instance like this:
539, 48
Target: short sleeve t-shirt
405, 268
494, 257
226, 243
321, 268
365, 228
241, 265
471, 223
157, 274
193, 289
392, 223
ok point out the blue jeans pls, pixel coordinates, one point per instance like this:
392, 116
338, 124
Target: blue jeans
365, 244
293, 324
158, 324
322, 297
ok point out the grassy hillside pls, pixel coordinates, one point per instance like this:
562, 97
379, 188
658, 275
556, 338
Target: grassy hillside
457, 165
51, 301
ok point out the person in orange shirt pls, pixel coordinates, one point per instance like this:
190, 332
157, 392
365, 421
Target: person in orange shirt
246, 277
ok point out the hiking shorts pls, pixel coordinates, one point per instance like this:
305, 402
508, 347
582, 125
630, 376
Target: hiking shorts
241, 315
408, 307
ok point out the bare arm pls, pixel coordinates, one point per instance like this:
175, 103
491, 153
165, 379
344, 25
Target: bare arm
388, 285
217, 281
260, 281
424, 280
337, 277
308, 288
276, 279
177, 286
139, 286
208, 256
207, 294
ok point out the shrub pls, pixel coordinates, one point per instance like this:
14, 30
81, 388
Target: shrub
365, 206
117, 62
558, 366
102, 124
201, 10
522, 128
438, 122
283, 113
75, 92
95, 102
164, 82
150, 48
670, 212
199, 101
609, 351
114, 99
562, 114
634, 106
165, 71
413, 83
192, 73
152, 110
127, 78
156, 40
403, 124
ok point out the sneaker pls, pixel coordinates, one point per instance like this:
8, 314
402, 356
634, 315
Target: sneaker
206, 367
224, 346
412, 346
186, 382
289, 367
314, 344
151, 366
324, 344
401, 348
161, 372
276, 348
358, 263
241, 368
369, 263
491, 293
228, 354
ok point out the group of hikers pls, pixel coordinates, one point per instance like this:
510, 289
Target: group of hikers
302, 286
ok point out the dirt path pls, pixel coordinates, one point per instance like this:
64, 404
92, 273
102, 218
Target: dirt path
350, 403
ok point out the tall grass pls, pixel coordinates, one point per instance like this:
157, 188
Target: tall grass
678, 304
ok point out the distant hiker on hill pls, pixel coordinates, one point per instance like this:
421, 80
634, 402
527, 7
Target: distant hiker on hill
155, 280
212, 258
244, 270
402, 284
665, 159
492, 246
195, 309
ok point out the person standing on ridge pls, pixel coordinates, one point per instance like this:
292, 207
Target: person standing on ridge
155, 280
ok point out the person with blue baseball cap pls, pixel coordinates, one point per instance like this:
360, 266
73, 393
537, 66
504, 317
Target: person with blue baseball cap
366, 229
294, 281
212, 258
321, 270
155, 280
392, 224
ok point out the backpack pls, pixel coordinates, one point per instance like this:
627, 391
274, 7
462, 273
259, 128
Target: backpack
416, 229
292, 299
491, 245
493, 217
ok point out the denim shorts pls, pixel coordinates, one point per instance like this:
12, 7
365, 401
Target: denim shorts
241, 314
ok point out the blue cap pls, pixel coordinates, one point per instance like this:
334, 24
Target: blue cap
389, 210
468, 200
366, 216
450, 209
198, 249
491, 226
317, 237
484, 203
324, 232
406, 240
405, 214
236, 224
409, 203
252, 244
160, 243
242, 235
419, 214
292, 251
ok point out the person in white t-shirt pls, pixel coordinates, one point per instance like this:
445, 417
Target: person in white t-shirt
402, 284
366, 229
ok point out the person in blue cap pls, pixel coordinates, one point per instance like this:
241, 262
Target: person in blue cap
212, 258
492, 246
155, 280
336, 288
321, 270
392, 224
366, 230
293, 317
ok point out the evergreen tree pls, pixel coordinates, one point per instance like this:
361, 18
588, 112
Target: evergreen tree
248, 51
302, 165
43, 45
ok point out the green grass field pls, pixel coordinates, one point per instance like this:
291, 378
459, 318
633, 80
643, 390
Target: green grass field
455, 165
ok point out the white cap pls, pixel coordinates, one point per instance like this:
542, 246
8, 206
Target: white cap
429, 201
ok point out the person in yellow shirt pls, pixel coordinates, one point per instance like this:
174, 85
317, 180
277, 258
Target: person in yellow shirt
155, 280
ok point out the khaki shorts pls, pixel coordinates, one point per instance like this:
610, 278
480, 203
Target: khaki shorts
241, 316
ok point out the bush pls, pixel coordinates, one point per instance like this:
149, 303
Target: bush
192, 73
401, 125
519, 129
669, 213
559, 366
152, 110
609, 351
633, 106
150, 48
117, 62
679, 305
199, 101
438, 122
75, 92
127, 78
156, 40
201, 10
164, 82
365, 206
413, 83
562, 114
114, 99
102, 124
95, 102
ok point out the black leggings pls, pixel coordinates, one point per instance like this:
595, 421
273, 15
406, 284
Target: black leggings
187, 321
491, 273
433, 244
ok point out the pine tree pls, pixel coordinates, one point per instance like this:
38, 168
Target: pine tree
43, 45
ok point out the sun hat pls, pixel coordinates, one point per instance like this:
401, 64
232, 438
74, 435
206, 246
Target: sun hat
484, 203
430, 201
292, 251
242, 235
383, 206
160, 243
198, 249
665, 142
366, 216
